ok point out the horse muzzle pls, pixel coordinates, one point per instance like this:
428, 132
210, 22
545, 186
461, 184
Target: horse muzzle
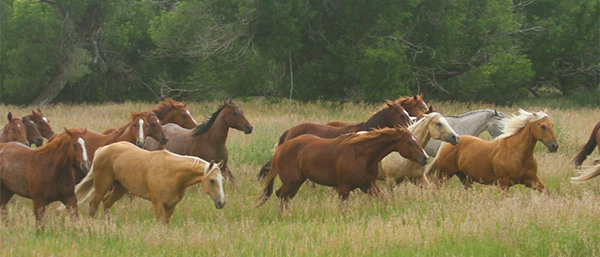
552, 147
85, 166
423, 160
453, 139
219, 204
140, 143
39, 142
164, 140
247, 129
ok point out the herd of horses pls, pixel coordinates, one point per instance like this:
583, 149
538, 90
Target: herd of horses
157, 154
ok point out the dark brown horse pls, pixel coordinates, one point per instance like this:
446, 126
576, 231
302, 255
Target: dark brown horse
43, 124
391, 115
14, 131
33, 133
43, 174
346, 162
588, 148
415, 106
207, 140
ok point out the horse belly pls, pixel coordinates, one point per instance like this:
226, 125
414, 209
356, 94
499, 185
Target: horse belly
13, 174
130, 172
477, 165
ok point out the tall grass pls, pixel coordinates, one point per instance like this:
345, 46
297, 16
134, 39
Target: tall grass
413, 221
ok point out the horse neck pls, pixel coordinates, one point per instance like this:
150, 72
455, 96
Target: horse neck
476, 123
56, 155
121, 135
374, 122
420, 130
522, 142
377, 148
218, 131
4, 134
188, 172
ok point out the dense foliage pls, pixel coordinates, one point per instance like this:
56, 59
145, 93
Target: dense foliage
469, 50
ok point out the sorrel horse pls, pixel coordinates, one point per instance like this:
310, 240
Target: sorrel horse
588, 148
391, 115
14, 131
42, 174
507, 160
207, 140
346, 162
43, 124
471, 123
33, 134
415, 106
158, 176
395, 169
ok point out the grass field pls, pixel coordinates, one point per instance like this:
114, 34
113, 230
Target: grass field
448, 221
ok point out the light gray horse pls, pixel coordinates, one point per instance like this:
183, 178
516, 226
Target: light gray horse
471, 123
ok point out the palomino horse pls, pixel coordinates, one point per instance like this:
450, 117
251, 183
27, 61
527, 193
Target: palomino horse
14, 131
395, 169
507, 160
414, 106
158, 176
346, 162
391, 115
471, 123
207, 140
33, 134
588, 148
43, 124
42, 174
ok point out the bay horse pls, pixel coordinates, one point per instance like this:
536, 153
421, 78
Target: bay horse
415, 106
588, 148
507, 160
471, 123
14, 131
158, 176
391, 115
346, 162
395, 169
207, 140
43, 174
43, 124
34, 137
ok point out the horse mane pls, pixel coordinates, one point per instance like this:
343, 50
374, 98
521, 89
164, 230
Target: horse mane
513, 124
426, 116
59, 140
134, 115
196, 160
410, 100
357, 137
377, 118
204, 127
165, 107
473, 112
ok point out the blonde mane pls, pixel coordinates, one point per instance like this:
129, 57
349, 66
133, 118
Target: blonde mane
513, 124
360, 136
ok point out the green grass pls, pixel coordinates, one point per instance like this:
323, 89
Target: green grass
448, 221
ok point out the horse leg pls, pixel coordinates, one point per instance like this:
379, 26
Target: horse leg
101, 186
373, 190
423, 180
228, 174
504, 184
169, 212
71, 203
5, 196
160, 212
287, 191
464, 179
117, 192
39, 208
343, 192
390, 183
535, 183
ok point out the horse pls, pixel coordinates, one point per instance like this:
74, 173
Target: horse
507, 160
346, 162
14, 131
43, 174
34, 137
391, 115
207, 140
43, 124
395, 169
471, 123
592, 171
415, 106
158, 176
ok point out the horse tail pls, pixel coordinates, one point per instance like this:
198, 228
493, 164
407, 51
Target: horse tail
587, 174
282, 138
264, 170
269, 181
432, 168
588, 148
85, 188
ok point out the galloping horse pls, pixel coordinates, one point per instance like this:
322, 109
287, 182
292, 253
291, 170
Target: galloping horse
394, 169
507, 160
158, 176
207, 140
471, 123
42, 174
414, 106
588, 148
346, 162
33, 134
391, 115
14, 131
43, 124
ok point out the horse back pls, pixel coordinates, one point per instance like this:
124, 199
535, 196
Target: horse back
319, 130
16, 161
471, 155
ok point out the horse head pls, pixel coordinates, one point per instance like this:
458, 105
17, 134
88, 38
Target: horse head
234, 117
494, 125
33, 134
42, 122
77, 150
152, 128
397, 115
543, 131
409, 147
171, 111
415, 105
15, 131
212, 183
440, 129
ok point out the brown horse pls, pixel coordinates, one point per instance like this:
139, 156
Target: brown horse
14, 131
507, 160
43, 124
158, 176
207, 140
42, 174
588, 148
415, 106
346, 162
391, 115
33, 134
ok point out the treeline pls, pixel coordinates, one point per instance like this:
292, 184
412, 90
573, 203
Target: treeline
468, 50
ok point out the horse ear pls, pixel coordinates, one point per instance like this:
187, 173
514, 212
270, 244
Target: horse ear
9, 116
496, 112
184, 105
389, 103
421, 95
39, 110
415, 97
226, 103
32, 112
68, 132
545, 110
210, 165
230, 100
431, 109
220, 164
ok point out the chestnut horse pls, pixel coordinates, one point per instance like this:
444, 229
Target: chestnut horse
391, 115
14, 131
346, 162
395, 169
207, 140
34, 137
588, 148
43, 124
42, 174
158, 176
415, 106
507, 160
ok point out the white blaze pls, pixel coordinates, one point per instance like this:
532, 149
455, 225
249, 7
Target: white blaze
188, 112
46, 120
84, 151
141, 133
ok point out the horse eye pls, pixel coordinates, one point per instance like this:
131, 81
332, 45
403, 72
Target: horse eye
439, 124
212, 181
235, 114
75, 146
135, 125
543, 127
184, 116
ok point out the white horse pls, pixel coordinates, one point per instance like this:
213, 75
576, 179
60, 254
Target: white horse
395, 169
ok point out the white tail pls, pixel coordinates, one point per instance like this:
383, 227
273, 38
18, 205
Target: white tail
83, 189
586, 173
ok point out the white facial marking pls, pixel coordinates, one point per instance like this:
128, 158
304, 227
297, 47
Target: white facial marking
221, 193
141, 133
84, 151
361, 132
46, 120
188, 112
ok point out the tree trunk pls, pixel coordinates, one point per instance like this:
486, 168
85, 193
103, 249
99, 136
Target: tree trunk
51, 90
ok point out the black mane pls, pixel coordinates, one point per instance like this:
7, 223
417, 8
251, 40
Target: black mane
204, 127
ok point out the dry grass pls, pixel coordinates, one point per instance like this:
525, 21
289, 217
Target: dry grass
414, 221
